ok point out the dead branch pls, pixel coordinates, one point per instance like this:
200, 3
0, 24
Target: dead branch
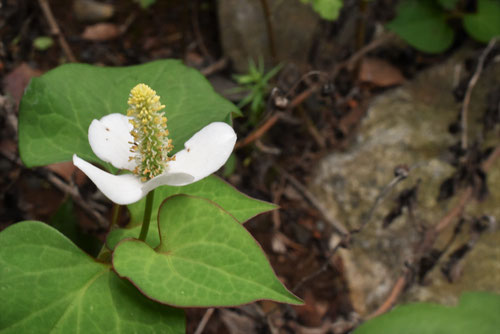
298, 99
65, 188
321, 269
393, 296
54, 29
431, 236
270, 30
72, 190
341, 229
470, 86
197, 31
259, 132
401, 173
204, 320
215, 67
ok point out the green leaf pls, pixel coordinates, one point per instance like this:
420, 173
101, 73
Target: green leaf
230, 165
65, 221
48, 285
327, 9
145, 3
448, 4
205, 258
485, 24
42, 43
422, 23
272, 73
239, 205
477, 312
58, 107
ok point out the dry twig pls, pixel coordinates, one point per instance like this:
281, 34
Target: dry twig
197, 31
54, 29
72, 190
215, 67
65, 188
298, 99
393, 296
470, 86
204, 321
401, 173
321, 269
341, 229
270, 30
431, 236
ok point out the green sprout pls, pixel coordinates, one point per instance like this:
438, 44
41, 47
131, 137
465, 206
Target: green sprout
256, 83
43, 43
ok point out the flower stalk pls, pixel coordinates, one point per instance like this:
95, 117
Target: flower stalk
147, 215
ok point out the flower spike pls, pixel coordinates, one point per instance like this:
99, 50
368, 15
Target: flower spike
151, 144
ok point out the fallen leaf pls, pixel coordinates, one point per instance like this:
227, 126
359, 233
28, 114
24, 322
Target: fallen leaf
66, 171
194, 59
312, 312
101, 32
8, 147
237, 323
16, 81
379, 73
89, 10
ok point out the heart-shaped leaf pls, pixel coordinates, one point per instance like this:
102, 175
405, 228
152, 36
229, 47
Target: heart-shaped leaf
48, 285
422, 23
477, 312
66, 222
58, 107
448, 4
239, 205
205, 258
485, 24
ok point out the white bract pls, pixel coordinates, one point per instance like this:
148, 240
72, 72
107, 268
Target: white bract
203, 154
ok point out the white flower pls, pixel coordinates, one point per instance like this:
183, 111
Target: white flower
111, 140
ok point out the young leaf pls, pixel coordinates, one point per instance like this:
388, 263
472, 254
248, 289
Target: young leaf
477, 312
58, 107
48, 285
205, 258
145, 4
239, 205
42, 43
448, 4
422, 23
327, 9
485, 24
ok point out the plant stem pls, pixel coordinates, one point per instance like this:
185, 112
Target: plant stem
270, 31
116, 214
361, 24
147, 215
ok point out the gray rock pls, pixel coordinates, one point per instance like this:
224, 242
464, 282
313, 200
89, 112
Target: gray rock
243, 31
408, 125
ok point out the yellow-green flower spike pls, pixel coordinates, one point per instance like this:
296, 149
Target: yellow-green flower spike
151, 144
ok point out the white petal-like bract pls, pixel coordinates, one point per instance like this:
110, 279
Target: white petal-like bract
121, 189
205, 152
110, 140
